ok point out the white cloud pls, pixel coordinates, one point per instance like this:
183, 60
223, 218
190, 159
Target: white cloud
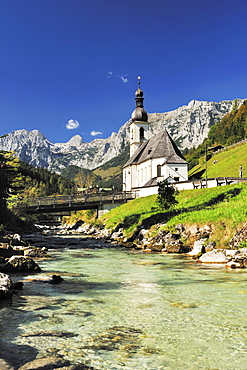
72, 124
124, 78
95, 133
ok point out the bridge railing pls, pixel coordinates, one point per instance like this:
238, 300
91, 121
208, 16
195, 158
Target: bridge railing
80, 198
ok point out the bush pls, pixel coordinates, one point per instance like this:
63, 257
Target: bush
166, 195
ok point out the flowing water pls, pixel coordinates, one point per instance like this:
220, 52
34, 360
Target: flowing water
117, 309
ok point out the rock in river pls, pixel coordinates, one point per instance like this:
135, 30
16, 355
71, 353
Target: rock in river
20, 264
5, 286
52, 363
214, 257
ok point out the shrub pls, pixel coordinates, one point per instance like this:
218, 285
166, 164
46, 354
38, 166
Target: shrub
166, 195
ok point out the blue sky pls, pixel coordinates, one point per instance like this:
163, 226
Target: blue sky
70, 67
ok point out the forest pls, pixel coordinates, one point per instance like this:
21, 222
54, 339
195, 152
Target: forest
20, 181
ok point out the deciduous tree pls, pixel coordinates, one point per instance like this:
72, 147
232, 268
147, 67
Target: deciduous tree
166, 195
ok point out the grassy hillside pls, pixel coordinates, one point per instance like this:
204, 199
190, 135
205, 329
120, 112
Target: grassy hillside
223, 207
227, 163
231, 129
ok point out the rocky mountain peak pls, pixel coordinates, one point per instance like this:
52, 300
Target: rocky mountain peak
188, 126
75, 141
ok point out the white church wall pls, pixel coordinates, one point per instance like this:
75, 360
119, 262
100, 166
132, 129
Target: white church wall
144, 192
139, 175
178, 171
130, 178
135, 139
143, 173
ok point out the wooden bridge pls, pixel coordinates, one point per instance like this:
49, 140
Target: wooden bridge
103, 202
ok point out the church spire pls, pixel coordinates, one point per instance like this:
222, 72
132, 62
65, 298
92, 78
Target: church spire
139, 114
139, 95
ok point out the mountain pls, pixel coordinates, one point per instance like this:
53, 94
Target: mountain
188, 126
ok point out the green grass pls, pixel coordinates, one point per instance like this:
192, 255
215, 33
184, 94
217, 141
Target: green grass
131, 214
228, 163
224, 208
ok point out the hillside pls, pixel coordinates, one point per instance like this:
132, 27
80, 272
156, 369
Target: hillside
222, 208
225, 163
231, 129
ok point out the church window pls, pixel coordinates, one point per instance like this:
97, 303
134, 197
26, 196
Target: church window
176, 178
142, 137
159, 170
176, 169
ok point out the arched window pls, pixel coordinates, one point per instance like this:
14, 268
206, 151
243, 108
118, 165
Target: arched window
159, 170
142, 137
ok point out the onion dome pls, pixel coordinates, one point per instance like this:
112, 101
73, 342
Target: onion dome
139, 114
139, 93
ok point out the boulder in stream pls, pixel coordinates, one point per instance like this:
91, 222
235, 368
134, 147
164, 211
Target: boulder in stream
52, 363
6, 250
20, 264
5, 286
198, 247
214, 257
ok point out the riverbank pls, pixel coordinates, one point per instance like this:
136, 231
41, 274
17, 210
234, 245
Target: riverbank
192, 240
220, 210
18, 253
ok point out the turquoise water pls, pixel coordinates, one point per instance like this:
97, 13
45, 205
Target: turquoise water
122, 310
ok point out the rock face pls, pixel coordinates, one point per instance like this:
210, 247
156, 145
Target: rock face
188, 126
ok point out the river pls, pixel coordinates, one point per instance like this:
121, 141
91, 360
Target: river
119, 309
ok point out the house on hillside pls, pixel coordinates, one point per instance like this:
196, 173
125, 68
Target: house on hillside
152, 159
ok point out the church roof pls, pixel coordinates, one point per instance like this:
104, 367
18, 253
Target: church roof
160, 145
155, 182
139, 114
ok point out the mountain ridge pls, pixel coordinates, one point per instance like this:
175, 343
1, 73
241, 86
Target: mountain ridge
188, 125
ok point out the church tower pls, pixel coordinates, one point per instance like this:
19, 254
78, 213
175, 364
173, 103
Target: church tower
139, 127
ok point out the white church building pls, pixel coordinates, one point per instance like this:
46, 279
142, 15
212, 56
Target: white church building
152, 159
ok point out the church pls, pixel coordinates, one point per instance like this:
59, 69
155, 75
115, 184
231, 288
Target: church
152, 158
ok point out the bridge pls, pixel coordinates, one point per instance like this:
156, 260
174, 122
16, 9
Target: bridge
102, 202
